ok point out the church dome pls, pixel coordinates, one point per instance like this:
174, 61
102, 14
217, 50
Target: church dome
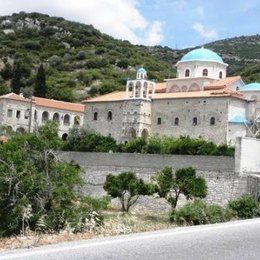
202, 54
141, 70
251, 87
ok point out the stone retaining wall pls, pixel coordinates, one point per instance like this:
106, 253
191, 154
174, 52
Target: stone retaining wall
223, 183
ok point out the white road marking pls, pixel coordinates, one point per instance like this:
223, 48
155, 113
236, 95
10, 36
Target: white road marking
134, 237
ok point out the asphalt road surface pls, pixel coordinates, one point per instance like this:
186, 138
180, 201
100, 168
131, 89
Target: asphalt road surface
233, 240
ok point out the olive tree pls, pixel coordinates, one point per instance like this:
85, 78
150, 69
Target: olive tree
170, 186
127, 187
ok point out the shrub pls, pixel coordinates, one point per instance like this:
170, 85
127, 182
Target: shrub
199, 212
85, 141
127, 187
37, 190
135, 146
245, 207
81, 55
183, 145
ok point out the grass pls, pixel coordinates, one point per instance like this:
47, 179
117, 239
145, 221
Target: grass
115, 223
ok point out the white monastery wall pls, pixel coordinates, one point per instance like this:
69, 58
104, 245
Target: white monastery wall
247, 155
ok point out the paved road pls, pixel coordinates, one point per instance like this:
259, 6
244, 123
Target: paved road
233, 240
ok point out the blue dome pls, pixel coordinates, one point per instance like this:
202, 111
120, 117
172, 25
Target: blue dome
251, 87
202, 54
141, 70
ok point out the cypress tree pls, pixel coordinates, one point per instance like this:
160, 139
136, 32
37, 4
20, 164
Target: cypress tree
16, 82
40, 83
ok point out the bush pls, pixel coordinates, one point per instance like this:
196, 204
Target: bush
37, 190
85, 141
183, 145
81, 55
245, 207
199, 212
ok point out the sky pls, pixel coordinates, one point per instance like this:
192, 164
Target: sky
173, 23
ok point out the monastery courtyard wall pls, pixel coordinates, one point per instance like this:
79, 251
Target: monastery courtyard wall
223, 183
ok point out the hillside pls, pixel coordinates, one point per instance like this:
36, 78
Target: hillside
80, 60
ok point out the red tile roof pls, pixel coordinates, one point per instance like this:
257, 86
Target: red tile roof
222, 83
119, 95
45, 102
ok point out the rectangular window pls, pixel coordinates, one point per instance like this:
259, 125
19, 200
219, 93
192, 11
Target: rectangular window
9, 112
159, 121
27, 114
18, 114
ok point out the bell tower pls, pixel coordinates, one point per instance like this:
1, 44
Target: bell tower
137, 106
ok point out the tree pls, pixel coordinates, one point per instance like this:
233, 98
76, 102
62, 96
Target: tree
127, 187
184, 182
40, 84
6, 72
16, 82
37, 190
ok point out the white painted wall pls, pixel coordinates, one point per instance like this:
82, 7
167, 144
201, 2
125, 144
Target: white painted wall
248, 155
196, 68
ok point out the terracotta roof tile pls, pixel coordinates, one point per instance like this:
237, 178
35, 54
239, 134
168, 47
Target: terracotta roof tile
114, 96
14, 96
45, 102
160, 87
119, 95
59, 104
222, 83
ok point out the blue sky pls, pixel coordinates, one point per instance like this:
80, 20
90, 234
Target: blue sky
188, 23
181, 23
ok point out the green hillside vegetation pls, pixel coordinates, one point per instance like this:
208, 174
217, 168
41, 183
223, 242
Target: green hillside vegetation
80, 61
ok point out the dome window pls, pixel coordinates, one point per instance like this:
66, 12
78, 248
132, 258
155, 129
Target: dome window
220, 74
205, 73
187, 73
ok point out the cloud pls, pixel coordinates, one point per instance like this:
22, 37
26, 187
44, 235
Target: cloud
205, 33
154, 35
119, 18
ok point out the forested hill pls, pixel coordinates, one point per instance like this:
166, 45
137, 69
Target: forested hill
80, 60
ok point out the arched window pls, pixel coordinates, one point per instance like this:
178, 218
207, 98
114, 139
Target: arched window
56, 117
212, 120
187, 73
205, 73
64, 137
144, 133
195, 121
220, 74
176, 121
159, 121
95, 117
77, 120
66, 120
45, 116
109, 116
